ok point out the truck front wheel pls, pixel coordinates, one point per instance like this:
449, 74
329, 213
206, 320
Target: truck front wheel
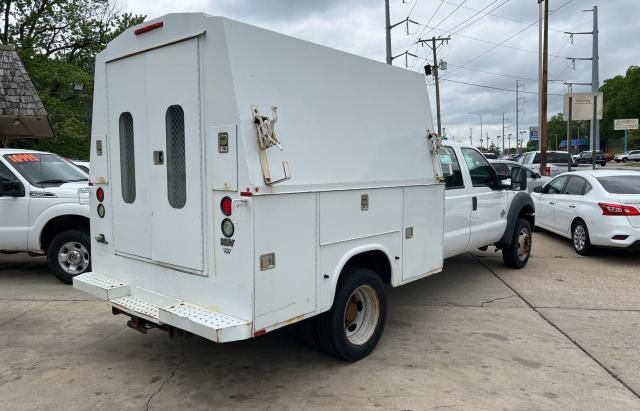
353, 326
517, 254
69, 255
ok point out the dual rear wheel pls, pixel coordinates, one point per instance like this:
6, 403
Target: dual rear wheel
351, 329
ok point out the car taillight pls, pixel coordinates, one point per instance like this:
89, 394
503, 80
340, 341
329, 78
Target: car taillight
100, 194
618, 209
226, 205
548, 171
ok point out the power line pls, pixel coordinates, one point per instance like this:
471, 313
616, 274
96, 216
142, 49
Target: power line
479, 18
493, 73
514, 35
493, 43
499, 16
448, 15
415, 2
493, 87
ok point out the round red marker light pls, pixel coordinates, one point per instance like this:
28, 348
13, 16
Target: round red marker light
100, 194
226, 205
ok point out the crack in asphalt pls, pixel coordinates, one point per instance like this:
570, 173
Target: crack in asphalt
573, 341
173, 372
15, 318
497, 299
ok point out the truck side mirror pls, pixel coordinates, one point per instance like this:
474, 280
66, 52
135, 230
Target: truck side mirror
518, 178
11, 189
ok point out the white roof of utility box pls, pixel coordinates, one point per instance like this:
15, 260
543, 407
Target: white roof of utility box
342, 119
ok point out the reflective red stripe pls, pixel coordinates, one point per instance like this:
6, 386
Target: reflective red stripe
148, 28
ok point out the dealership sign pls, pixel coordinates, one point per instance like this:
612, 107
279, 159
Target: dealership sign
625, 124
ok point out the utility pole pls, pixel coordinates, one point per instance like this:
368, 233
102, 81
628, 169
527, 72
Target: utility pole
389, 27
388, 30
518, 85
434, 48
471, 135
595, 78
543, 105
503, 132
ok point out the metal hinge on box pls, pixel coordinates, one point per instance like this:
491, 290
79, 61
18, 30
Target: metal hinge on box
267, 137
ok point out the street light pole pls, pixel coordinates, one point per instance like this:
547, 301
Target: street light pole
479, 114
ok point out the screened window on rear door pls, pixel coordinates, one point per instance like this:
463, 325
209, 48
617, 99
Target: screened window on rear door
176, 167
127, 159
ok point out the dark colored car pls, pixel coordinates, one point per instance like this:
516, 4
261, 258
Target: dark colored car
586, 158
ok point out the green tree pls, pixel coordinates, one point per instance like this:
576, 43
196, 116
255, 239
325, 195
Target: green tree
57, 41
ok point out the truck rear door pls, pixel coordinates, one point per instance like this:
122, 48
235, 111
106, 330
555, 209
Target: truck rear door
156, 156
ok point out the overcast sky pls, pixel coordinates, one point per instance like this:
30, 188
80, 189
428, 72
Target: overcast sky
357, 26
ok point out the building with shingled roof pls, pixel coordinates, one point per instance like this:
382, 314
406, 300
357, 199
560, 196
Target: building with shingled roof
22, 114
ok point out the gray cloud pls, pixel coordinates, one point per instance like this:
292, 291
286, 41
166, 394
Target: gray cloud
357, 26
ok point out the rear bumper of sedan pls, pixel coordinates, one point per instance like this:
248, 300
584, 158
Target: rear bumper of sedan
614, 232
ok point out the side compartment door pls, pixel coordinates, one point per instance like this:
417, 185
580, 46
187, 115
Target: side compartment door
422, 230
457, 205
285, 250
489, 206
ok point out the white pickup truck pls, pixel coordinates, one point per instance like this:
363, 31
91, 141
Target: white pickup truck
44, 208
236, 193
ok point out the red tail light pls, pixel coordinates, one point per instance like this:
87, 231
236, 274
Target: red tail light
548, 171
100, 194
226, 205
618, 209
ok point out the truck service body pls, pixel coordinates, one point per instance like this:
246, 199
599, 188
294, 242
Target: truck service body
249, 180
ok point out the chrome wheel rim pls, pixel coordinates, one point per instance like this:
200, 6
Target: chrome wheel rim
361, 315
73, 258
579, 237
524, 244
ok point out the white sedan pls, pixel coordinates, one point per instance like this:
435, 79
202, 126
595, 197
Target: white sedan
592, 207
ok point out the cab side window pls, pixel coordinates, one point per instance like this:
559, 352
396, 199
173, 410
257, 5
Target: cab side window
482, 174
451, 169
6, 174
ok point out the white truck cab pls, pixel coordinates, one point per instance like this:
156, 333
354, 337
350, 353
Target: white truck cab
237, 192
44, 208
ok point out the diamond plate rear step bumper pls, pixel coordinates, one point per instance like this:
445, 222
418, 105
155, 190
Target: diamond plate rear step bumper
195, 319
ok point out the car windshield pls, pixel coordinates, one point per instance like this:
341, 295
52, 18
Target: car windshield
45, 170
621, 184
553, 158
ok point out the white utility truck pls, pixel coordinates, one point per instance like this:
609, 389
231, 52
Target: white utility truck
44, 209
244, 180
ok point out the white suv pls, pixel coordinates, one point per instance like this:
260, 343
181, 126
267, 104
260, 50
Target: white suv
44, 208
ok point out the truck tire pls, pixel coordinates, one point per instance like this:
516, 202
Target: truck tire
351, 329
69, 255
307, 333
518, 252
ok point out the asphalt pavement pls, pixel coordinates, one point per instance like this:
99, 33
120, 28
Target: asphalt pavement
560, 334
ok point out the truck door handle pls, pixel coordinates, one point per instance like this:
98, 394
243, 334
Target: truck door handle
551, 202
572, 205
474, 203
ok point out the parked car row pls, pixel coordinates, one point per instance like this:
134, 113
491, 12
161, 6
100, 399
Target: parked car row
594, 208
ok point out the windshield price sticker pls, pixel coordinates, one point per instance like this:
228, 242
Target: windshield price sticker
23, 158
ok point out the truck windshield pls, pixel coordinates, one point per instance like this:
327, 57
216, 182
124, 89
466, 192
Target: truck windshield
45, 170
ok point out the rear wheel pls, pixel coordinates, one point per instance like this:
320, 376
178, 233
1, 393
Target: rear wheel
624, 160
351, 329
69, 255
517, 254
580, 238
